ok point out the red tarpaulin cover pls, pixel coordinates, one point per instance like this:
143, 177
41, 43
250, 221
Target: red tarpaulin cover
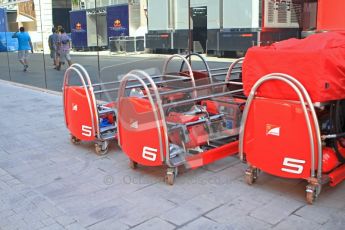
330, 15
317, 61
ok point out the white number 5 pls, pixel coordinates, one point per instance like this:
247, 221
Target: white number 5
86, 130
295, 165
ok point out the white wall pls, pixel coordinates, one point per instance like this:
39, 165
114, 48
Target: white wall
158, 14
240, 14
44, 19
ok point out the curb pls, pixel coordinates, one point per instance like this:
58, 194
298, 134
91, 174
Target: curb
35, 88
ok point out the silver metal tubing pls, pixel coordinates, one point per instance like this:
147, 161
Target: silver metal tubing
199, 87
221, 74
292, 83
191, 75
162, 116
218, 74
201, 98
232, 66
230, 70
121, 92
205, 63
89, 85
106, 83
137, 85
315, 120
218, 69
88, 96
153, 77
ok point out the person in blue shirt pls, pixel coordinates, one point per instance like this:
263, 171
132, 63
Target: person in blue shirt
24, 45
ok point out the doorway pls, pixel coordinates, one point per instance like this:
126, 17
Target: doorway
199, 18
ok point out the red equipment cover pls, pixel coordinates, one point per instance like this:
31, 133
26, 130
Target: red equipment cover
139, 137
78, 114
317, 61
330, 15
276, 139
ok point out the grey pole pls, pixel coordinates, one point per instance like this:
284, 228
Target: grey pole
189, 33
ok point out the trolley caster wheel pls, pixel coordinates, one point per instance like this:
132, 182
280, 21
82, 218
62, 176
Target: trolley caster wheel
251, 175
170, 176
75, 140
101, 148
133, 164
311, 193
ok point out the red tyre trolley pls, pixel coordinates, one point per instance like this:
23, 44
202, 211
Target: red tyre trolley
85, 117
294, 127
177, 120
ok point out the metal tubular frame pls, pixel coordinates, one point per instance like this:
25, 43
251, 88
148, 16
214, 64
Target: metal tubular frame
203, 60
199, 87
121, 93
201, 98
191, 75
158, 106
304, 99
118, 82
89, 95
138, 85
230, 70
232, 66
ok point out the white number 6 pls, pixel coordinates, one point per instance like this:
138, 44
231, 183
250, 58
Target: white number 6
149, 153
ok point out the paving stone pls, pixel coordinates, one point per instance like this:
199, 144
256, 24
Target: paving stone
34, 225
316, 213
110, 224
2, 172
298, 223
6, 213
235, 215
144, 211
223, 164
154, 224
246, 222
277, 210
52, 211
64, 220
75, 226
6, 178
13, 183
204, 223
336, 221
4, 222
180, 215
53, 227
48, 221
113, 209
18, 224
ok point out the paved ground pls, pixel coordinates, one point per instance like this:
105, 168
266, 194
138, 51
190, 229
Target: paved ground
48, 183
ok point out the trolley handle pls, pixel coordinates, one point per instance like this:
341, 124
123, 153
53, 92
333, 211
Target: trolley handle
203, 60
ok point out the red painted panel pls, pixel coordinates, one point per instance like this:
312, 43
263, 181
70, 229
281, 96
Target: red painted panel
331, 15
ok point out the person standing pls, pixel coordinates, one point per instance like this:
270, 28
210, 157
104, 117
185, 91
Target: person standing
63, 48
24, 45
52, 40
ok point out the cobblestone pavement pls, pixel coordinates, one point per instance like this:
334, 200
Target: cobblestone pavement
48, 183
